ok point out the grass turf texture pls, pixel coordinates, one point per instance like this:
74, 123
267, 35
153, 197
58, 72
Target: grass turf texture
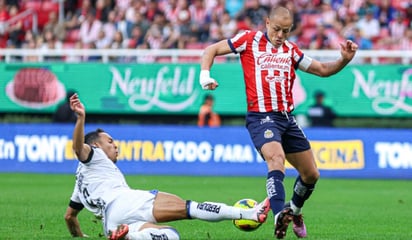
32, 207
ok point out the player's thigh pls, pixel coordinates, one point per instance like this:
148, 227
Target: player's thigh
169, 207
132, 206
305, 164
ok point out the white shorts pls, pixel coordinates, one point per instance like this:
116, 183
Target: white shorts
133, 207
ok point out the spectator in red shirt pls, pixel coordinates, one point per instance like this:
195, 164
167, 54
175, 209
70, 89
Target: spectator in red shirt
4, 13
4, 16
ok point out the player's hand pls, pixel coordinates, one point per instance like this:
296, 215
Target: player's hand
348, 49
206, 81
76, 105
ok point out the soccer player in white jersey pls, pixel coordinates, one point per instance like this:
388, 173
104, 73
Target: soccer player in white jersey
269, 63
130, 213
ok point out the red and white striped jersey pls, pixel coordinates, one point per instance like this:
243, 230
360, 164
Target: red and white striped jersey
269, 72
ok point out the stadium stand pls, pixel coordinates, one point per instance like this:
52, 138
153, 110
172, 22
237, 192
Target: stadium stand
193, 24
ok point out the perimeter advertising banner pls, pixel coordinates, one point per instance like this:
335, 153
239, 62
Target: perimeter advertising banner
226, 151
358, 90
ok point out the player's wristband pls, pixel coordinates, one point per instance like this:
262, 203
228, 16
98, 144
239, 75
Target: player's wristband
205, 74
205, 79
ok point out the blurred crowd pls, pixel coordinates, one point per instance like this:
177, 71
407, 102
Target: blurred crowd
193, 24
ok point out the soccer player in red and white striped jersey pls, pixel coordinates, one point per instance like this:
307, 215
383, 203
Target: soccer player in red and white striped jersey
269, 63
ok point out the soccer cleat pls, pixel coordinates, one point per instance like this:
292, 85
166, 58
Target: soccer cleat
120, 233
299, 227
283, 218
262, 210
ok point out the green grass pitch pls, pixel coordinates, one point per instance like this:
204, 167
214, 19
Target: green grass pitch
32, 207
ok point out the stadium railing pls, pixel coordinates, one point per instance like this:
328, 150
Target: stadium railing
179, 55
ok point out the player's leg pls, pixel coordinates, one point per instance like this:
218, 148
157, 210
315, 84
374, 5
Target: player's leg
274, 156
130, 216
305, 164
304, 185
143, 231
169, 207
266, 131
132, 206
275, 159
300, 156
151, 231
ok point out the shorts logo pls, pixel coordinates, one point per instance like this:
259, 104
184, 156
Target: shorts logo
267, 119
268, 134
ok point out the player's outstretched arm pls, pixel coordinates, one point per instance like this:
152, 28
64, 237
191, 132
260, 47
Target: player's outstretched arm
82, 150
348, 51
72, 222
209, 54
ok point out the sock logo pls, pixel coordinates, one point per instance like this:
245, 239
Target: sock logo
208, 207
300, 189
270, 187
158, 236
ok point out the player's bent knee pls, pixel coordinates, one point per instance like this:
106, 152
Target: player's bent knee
313, 177
155, 233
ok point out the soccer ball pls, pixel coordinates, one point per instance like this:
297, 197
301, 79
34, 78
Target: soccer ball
244, 224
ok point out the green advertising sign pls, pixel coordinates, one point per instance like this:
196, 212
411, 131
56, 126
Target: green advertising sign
358, 90
363, 90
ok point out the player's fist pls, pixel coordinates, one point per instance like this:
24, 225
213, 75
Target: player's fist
206, 81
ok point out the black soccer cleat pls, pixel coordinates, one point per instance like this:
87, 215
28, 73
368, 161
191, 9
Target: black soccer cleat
283, 219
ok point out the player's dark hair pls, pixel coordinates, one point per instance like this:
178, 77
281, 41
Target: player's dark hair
92, 137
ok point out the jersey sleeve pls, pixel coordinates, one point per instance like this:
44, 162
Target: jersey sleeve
238, 43
89, 157
301, 61
75, 202
305, 63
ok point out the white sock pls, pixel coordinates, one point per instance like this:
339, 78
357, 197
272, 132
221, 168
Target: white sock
276, 217
154, 233
296, 210
213, 212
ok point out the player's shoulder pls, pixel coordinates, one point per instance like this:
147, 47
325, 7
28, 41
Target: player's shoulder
291, 44
258, 36
95, 154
